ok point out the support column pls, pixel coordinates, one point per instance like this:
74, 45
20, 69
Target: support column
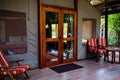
40, 33
106, 24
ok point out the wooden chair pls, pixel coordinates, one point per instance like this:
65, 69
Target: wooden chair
91, 47
101, 47
7, 70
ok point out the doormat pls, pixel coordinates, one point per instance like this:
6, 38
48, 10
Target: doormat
66, 67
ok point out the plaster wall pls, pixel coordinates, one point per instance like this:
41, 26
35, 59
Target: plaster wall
61, 3
30, 8
85, 10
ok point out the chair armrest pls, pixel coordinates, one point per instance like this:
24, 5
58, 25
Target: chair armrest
101, 47
3, 67
17, 61
92, 47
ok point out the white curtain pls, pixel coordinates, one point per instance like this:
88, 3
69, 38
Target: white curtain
86, 30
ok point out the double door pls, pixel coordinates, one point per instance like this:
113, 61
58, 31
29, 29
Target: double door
59, 36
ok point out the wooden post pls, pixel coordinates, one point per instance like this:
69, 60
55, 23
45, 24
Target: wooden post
40, 60
106, 24
76, 9
76, 5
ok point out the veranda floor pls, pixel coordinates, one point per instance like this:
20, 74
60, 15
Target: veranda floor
92, 71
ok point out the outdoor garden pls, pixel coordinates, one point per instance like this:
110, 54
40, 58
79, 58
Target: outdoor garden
113, 29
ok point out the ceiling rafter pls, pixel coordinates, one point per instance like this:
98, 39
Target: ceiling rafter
112, 5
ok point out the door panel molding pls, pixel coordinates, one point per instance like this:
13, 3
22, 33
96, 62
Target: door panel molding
60, 39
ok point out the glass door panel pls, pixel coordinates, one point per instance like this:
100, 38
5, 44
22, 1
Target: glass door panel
51, 25
69, 37
68, 49
68, 26
51, 51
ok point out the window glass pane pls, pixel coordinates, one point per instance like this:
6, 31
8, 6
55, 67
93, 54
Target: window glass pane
114, 30
102, 27
51, 25
51, 51
68, 26
68, 49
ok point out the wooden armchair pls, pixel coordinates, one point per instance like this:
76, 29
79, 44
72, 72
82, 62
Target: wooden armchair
101, 46
7, 70
91, 47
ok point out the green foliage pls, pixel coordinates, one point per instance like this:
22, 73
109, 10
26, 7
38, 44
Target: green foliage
114, 30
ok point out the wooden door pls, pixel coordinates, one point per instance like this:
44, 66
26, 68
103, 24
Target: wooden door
59, 36
69, 31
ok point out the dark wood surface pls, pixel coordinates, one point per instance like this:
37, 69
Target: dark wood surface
92, 71
112, 50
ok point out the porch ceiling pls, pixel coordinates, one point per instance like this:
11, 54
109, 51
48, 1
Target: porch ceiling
112, 5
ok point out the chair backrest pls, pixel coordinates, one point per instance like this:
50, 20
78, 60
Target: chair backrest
92, 42
3, 60
102, 42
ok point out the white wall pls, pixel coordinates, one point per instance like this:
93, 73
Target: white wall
61, 3
32, 23
85, 10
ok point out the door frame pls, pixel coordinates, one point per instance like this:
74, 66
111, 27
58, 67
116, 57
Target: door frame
41, 52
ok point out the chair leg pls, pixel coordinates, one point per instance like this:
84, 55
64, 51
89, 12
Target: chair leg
2, 77
11, 76
97, 57
26, 75
105, 56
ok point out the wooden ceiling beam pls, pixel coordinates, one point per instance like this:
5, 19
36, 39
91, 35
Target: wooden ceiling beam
108, 3
76, 5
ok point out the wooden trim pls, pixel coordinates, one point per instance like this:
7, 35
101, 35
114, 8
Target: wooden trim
75, 34
42, 39
76, 8
48, 64
58, 7
40, 34
69, 60
76, 5
106, 24
52, 40
69, 39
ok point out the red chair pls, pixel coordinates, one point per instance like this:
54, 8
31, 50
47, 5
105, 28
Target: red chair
101, 46
92, 47
7, 70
